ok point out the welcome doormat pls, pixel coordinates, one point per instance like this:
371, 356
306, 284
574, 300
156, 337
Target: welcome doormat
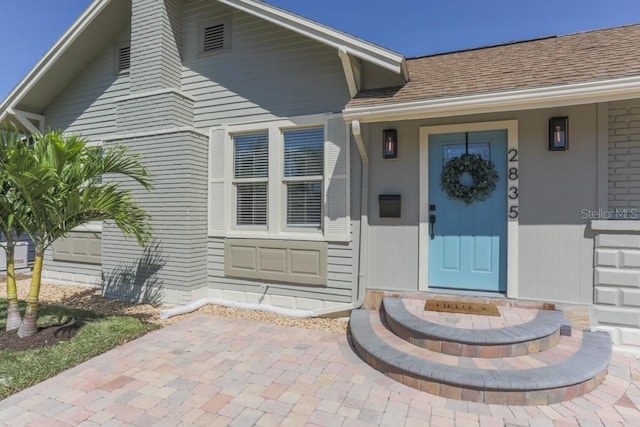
452, 306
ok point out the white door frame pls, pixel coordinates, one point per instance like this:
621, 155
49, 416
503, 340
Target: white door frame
511, 126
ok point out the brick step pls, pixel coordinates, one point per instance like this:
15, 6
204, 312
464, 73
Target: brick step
565, 348
562, 374
539, 334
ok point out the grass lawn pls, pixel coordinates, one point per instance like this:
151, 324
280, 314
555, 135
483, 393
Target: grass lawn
97, 333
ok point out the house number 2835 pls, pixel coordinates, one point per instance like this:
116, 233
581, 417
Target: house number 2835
513, 175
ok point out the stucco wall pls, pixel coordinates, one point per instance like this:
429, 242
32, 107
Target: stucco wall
555, 245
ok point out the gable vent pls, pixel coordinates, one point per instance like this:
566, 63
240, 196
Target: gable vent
124, 58
214, 38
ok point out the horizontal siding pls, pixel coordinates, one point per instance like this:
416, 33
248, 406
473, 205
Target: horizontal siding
268, 72
88, 105
339, 286
155, 55
342, 260
70, 272
177, 163
154, 112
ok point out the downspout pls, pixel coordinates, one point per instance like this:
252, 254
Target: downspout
362, 257
364, 217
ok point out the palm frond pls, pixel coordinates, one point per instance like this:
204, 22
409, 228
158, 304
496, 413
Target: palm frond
52, 187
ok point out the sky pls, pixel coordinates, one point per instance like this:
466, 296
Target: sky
28, 28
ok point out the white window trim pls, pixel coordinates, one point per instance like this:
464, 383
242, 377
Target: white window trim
232, 181
283, 207
276, 210
284, 180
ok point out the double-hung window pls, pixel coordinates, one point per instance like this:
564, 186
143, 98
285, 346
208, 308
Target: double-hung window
286, 179
250, 178
303, 176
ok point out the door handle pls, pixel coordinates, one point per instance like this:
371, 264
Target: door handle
432, 226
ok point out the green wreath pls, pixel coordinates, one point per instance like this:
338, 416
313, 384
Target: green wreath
482, 171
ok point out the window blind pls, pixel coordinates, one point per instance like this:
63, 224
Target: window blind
251, 157
251, 169
304, 203
251, 207
303, 172
303, 152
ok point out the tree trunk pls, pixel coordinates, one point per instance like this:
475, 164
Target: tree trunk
30, 323
14, 320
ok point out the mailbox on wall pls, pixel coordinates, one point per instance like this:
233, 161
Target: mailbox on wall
390, 205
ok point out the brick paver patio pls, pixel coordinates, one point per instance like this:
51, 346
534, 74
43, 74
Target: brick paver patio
214, 371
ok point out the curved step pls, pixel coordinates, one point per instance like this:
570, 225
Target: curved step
566, 347
577, 374
539, 334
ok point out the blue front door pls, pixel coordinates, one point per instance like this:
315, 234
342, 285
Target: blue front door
467, 243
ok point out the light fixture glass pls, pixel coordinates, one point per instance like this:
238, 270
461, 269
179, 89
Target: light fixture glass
558, 133
390, 143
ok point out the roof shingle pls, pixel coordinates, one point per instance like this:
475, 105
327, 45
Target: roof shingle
575, 58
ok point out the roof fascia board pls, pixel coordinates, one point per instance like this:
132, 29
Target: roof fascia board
53, 54
552, 96
369, 52
405, 71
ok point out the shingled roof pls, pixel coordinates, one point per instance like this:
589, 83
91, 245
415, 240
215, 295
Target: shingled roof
575, 58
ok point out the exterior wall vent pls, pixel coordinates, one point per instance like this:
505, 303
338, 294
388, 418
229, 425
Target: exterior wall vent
213, 38
124, 58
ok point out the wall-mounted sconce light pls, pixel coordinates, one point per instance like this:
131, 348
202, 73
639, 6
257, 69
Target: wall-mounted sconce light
558, 133
390, 144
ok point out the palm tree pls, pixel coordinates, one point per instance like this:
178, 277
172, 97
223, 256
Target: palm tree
9, 227
76, 195
13, 209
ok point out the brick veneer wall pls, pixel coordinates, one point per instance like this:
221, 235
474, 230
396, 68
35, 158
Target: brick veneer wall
617, 244
624, 156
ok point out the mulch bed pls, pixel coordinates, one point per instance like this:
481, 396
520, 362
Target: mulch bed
47, 335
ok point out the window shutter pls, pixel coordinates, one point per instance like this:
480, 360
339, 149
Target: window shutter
337, 218
217, 187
